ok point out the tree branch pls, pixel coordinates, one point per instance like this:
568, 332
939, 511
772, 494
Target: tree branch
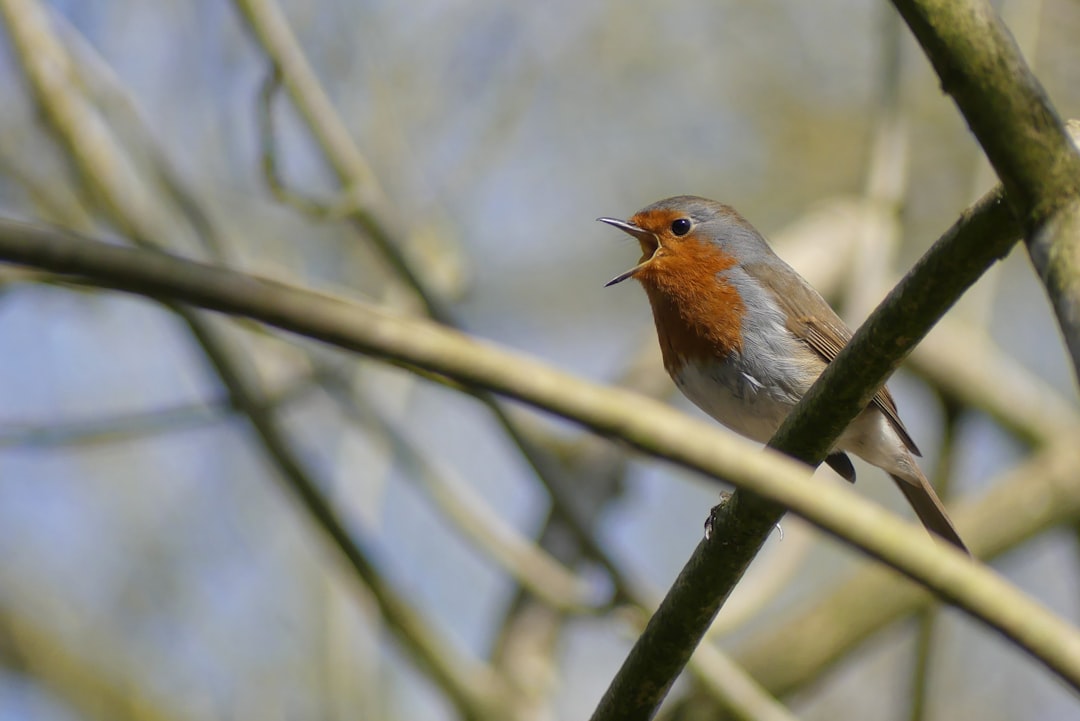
981, 67
106, 168
366, 209
1037, 495
645, 424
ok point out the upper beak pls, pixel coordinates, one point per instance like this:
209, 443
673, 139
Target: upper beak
643, 236
634, 230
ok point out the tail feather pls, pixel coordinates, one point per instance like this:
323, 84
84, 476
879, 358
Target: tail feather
929, 508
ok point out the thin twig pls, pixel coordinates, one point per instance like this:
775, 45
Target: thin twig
477, 689
921, 672
364, 206
538, 572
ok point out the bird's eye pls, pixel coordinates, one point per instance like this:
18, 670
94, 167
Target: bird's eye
681, 226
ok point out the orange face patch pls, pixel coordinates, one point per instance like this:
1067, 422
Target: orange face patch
659, 223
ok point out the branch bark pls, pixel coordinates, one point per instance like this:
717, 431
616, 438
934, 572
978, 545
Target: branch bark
1004, 104
1025, 140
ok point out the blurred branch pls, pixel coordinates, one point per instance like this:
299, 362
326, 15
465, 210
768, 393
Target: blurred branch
123, 112
475, 688
85, 685
50, 75
965, 363
739, 693
941, 478
1055, 252
363, 196
1023, 136
111, 429
366, 207
643, 423
1037, 495
344, 206
271, 29
139, 424
47, 190
462, 506
886, 176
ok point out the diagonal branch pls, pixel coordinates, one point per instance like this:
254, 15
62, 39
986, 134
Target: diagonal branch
645, 424
1037, 495
367, 212
981, 67
474, 686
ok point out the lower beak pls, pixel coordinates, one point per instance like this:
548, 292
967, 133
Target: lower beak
642, 235
628, 274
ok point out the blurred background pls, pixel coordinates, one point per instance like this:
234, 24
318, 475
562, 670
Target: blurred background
155, 560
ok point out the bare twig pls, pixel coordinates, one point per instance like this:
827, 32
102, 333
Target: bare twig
543, 576
344, 206
86, 684
365, 207
1037, 495
477, 689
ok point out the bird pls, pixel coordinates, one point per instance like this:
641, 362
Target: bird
744, 336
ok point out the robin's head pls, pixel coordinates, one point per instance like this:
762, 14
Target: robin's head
678, 232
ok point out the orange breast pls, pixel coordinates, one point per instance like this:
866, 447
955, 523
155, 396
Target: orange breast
698, 314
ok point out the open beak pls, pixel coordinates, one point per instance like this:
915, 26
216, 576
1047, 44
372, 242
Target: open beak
628, 274
645, 237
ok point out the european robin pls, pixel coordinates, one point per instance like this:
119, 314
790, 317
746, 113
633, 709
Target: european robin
744, 337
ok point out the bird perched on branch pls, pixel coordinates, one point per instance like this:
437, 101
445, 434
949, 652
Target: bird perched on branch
744, 337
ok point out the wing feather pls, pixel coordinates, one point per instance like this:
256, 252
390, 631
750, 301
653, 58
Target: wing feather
813, 321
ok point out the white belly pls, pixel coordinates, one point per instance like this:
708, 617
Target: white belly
737, 399
755, 409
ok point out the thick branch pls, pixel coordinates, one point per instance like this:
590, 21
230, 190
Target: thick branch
981, 67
